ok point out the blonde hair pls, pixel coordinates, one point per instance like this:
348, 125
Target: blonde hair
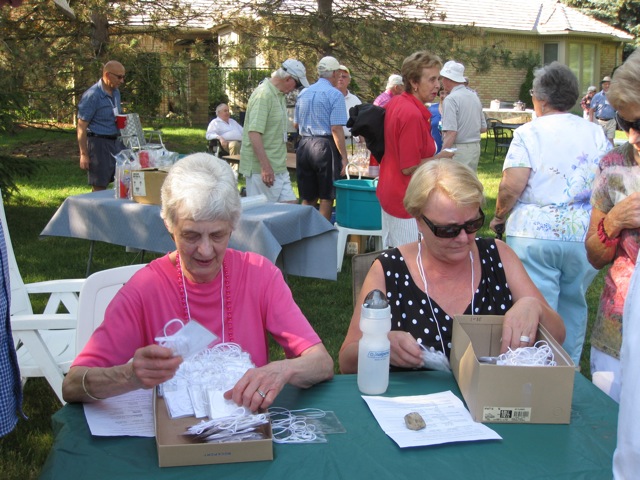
414, 64
625, 87
455, 180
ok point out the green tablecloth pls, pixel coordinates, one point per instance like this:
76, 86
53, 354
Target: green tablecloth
583, 449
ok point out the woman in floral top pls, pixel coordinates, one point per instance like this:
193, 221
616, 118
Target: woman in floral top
614, 236
546, 188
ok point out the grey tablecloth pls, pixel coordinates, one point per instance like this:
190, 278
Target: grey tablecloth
296, 237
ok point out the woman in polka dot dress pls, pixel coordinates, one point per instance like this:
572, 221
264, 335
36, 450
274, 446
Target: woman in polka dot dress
449, 272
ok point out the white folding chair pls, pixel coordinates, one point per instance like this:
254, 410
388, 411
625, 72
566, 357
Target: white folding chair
96, 294
45, 343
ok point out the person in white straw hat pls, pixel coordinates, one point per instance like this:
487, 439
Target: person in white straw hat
263, 156
395, 86
321, 156
462, 117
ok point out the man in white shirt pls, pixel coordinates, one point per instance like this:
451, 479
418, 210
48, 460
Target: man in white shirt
226, 130
350, 99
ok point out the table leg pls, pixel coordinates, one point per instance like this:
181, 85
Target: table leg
90, 259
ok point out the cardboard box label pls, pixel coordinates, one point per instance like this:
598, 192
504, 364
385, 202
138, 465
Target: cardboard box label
506, 414
137, 184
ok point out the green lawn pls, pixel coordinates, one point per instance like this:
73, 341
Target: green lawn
328, 305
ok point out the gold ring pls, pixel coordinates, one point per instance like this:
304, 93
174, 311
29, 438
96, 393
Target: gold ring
261, 393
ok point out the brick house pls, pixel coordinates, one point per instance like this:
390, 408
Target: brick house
554, 31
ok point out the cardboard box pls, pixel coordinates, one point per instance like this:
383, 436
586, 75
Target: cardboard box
146, 185
355, 245
508, 394
176, 449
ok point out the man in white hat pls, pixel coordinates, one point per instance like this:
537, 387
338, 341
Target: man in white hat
395, 86
263, 155
321, 156
462, 117
350, 99
602, 111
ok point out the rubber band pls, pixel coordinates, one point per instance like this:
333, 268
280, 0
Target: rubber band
540, 355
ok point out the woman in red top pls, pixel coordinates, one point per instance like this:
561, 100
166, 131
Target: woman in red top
408, 144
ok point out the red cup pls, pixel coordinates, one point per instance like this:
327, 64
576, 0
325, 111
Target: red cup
143, 158
121, 121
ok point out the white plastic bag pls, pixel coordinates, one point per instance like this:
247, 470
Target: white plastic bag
626, 458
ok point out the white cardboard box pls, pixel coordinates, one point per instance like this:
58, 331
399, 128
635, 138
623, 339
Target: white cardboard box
508, 394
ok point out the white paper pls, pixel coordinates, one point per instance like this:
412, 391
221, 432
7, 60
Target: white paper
130, 414
445, 415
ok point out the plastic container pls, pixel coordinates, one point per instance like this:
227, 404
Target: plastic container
357, 205
374, 348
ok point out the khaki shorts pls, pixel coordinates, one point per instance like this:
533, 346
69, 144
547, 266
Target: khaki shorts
280, 191
609, 127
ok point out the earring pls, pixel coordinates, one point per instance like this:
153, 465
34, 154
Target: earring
419, 237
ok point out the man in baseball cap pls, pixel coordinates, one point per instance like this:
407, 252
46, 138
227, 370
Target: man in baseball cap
321, 156
263, 154
296, 70
462, 117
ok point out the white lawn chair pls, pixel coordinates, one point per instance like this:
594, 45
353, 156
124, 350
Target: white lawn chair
98, 290
45, 343
134, 137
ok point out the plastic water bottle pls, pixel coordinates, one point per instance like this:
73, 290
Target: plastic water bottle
374, 347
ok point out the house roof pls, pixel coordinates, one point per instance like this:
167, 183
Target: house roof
536, 17
542, 17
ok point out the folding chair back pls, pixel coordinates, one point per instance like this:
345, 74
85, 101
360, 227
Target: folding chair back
96, 294
133, 136
360, 265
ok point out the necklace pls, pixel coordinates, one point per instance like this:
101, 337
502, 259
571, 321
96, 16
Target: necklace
426, 290
225, 299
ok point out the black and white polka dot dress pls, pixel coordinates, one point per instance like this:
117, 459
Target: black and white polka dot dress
410, 310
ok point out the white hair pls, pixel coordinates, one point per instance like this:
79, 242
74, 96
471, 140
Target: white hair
200, 187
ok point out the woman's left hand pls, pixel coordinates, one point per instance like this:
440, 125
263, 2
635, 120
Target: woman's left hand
258, 387
520, 325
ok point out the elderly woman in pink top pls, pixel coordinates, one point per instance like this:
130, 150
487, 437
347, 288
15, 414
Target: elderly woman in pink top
239, 296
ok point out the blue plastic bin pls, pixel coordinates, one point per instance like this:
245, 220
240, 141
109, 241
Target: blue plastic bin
357, 205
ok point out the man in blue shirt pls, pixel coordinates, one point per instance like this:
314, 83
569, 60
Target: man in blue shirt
321, 156
602, 110
98, 135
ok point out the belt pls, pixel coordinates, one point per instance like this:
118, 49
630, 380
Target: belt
604, 119
108, 137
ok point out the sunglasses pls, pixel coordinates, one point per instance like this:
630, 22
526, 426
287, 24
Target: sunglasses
119, 77
626, 125
452, 231
296, 79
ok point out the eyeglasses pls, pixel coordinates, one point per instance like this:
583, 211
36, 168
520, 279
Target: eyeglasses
452, 231
626, 125
119, 77
296, 79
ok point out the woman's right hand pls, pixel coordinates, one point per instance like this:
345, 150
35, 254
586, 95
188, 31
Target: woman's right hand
153, 365
405, 351
624, 215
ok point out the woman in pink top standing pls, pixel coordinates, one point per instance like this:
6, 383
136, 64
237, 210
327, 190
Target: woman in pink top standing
239, 296
408, 144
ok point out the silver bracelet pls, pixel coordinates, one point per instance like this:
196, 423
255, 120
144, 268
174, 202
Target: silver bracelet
84, 387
